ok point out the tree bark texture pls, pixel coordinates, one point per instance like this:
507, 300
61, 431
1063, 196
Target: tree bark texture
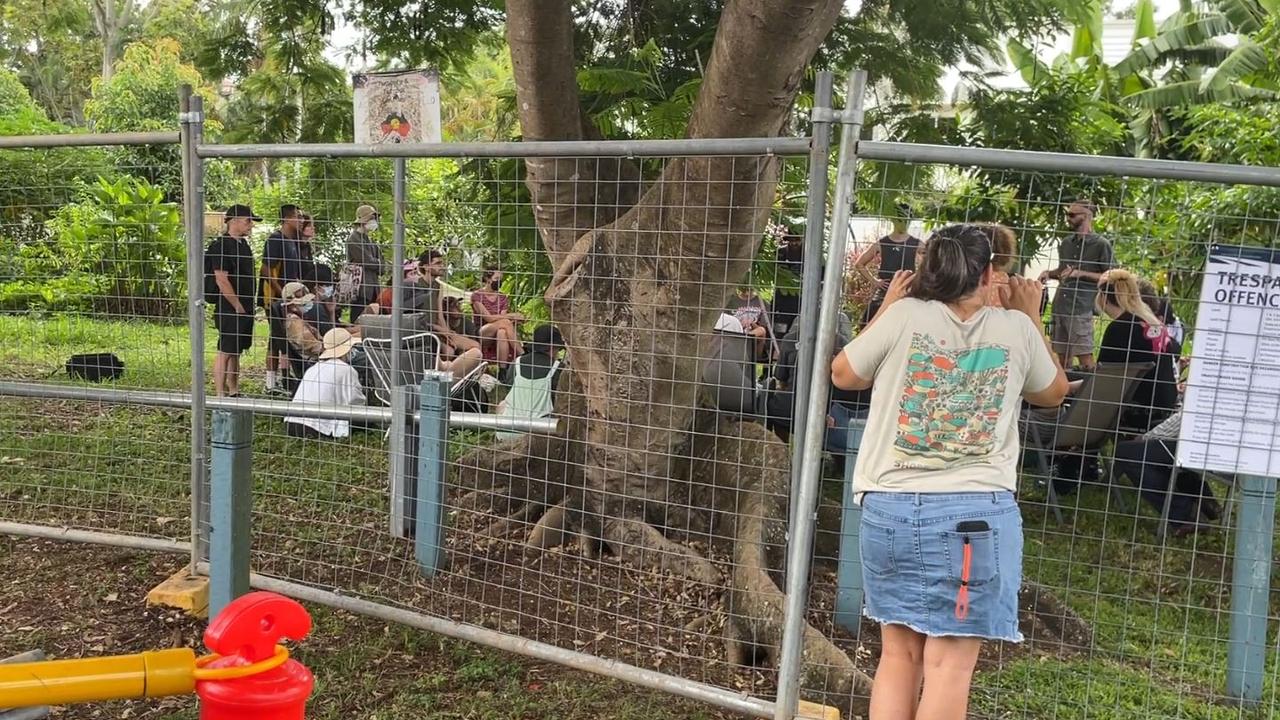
643, 268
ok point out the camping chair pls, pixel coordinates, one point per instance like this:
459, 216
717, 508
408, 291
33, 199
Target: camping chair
729, 374
1084, 426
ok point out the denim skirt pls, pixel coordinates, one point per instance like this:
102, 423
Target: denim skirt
943, 564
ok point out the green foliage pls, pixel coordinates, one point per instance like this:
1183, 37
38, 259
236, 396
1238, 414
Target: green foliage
53, 48
33, 183
14, 97
119, 250
142, 95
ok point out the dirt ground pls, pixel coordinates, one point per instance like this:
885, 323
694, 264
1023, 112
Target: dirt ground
73, 600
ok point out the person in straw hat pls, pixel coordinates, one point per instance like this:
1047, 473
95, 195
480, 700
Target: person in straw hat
331, 382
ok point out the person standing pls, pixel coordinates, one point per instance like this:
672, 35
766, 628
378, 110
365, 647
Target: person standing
941, 533
365, 263
786, 301
1082, 259
229, 265
895, 251
283, 259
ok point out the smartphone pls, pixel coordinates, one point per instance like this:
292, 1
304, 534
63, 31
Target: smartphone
973, 526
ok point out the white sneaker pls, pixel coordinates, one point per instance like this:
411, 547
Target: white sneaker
487, 382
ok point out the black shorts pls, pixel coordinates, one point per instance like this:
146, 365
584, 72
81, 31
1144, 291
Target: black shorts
277, 345
235, 332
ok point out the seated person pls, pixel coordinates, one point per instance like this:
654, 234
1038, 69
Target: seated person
324, 315
1137, 335
844, 406
492, 309
414, 281
533, 377
458, 341
729, 370
750, 311
1148, 462
305, 341
331, 381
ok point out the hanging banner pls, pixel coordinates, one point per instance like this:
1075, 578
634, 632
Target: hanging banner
397, 107
1232, 403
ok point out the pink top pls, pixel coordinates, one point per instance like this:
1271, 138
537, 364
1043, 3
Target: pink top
494, 303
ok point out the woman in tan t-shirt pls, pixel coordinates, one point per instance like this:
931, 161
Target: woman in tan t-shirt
941, 533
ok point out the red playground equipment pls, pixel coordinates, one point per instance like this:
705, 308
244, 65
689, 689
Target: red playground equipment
249, 676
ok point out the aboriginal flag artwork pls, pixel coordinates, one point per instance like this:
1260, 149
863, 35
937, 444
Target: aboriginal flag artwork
951, 401
399, 107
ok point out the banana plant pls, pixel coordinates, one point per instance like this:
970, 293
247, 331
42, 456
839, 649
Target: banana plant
1207, 54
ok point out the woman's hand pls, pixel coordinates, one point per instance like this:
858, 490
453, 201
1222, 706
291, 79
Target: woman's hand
898, 287
1023, 295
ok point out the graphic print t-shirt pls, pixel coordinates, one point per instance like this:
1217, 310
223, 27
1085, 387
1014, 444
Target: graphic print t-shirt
946, 396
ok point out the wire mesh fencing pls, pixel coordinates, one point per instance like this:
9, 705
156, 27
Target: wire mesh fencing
653, 566
1135, 567
633, 299
93, 293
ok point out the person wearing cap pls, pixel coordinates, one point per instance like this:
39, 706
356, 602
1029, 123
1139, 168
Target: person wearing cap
331, 382
303, 337
895, 251
533, 377
229, 260
364, 257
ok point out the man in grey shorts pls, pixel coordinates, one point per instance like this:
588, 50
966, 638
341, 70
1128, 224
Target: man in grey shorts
1082, 259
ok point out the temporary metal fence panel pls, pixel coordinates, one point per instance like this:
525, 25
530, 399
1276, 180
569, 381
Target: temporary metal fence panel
92, 261
651, 593
1135, 603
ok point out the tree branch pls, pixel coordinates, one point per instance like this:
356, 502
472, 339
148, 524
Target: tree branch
570, 195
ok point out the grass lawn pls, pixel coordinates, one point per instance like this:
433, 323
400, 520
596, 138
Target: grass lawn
1159, 613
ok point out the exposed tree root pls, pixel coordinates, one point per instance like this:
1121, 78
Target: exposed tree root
551, 530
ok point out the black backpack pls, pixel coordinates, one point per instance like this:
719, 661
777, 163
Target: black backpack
95, 367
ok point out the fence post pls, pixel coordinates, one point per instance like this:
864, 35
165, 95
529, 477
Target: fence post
811, 282
804, 517
848, 610
231, 501
397, 269
191, 116
433, 449
403, 449
1251, 588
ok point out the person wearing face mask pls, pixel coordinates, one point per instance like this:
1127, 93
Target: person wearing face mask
497, 323
304, 339
895, 251
365, 263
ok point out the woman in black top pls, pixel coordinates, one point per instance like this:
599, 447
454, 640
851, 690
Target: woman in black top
1137, 335
895, 251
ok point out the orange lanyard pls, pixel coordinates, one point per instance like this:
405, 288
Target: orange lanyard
962, 597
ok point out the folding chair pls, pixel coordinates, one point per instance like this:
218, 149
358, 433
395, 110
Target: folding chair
1086, 424
729, 375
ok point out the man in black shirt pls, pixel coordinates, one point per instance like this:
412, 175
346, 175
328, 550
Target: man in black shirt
230, 260
285, 256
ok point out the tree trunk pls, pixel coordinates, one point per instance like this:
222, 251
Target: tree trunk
641, 274
105, 17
